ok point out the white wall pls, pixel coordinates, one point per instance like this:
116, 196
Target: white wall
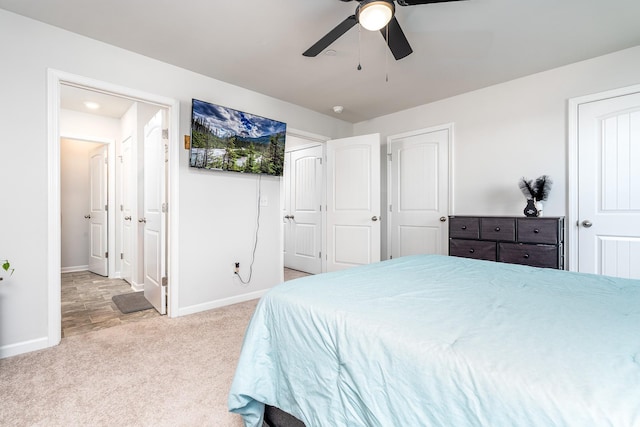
217, 211
511, 130
74, 203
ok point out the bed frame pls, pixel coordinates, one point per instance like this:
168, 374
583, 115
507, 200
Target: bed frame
275, 417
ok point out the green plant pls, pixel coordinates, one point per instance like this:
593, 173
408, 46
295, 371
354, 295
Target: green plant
6, 266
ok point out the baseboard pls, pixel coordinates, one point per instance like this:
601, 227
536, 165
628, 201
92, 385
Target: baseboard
137, 287
74, 269
220, 303
23, 347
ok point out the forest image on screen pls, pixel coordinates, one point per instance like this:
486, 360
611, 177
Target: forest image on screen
231, 140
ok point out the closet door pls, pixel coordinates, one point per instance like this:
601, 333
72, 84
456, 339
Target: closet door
609, 186
353, 201
418, 189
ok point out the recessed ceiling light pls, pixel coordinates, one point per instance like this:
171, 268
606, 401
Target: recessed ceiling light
338, 109
91, 105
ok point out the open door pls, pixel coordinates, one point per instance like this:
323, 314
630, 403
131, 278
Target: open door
154, 218
126, 211
302, 213
353, 201
98, 210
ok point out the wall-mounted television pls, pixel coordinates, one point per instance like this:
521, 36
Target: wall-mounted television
225, 139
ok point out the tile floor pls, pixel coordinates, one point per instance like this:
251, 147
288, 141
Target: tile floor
87, 304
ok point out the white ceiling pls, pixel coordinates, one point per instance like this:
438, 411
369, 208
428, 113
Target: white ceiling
74, 98
258, 44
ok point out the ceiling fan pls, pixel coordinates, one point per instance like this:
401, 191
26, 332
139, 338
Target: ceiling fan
374, 15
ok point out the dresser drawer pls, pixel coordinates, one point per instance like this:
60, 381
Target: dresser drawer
465, 227
473, 249
539, 230
534, 255
501, 229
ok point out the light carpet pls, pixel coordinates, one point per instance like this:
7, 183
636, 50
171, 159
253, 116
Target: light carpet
156, 372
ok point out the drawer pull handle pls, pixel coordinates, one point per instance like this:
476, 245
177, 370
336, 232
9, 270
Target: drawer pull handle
471, 251
497, 228
536, 231
464, 227
526, 256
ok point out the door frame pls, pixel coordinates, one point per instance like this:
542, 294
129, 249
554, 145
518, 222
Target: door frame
448, 127
55, 78
572, 228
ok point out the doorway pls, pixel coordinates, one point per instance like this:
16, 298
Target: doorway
84, 234
56, 80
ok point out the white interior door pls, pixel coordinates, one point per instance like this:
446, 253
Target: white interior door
154, 219
303, 210
353, 201
127, 211
98, 211
418, 193
609, 186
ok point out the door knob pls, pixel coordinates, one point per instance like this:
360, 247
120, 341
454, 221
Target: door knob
443, 219
87, 216
586, 223
127, 218
374, 218
142, 220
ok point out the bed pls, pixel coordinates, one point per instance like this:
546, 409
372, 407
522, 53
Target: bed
433, 340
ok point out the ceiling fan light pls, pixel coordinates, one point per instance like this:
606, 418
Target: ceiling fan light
374, 15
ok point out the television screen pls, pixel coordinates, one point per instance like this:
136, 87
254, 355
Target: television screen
230, 140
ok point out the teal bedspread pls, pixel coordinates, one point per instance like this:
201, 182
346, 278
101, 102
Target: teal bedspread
444, 341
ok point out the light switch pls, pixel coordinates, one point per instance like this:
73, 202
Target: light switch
264, 201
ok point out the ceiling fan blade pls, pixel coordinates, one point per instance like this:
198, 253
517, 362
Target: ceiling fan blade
416, 2
397, 41
331, 36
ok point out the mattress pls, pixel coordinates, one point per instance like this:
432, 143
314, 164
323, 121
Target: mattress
433, 340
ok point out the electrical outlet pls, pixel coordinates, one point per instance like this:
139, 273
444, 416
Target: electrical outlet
236, 270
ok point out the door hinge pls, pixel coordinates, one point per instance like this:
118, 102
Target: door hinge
390, 208
320, 254
320, 158
389, 157
106, 207
320, 208
165, 133
121, 255
106, 254
165, 207
121, 208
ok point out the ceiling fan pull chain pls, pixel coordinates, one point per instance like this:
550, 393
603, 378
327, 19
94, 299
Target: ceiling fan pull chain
359, 47
386, 57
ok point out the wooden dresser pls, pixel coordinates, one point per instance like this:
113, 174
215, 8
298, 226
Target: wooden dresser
537, 242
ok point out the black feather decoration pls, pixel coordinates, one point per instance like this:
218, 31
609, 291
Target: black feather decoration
542, 187
527, 188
